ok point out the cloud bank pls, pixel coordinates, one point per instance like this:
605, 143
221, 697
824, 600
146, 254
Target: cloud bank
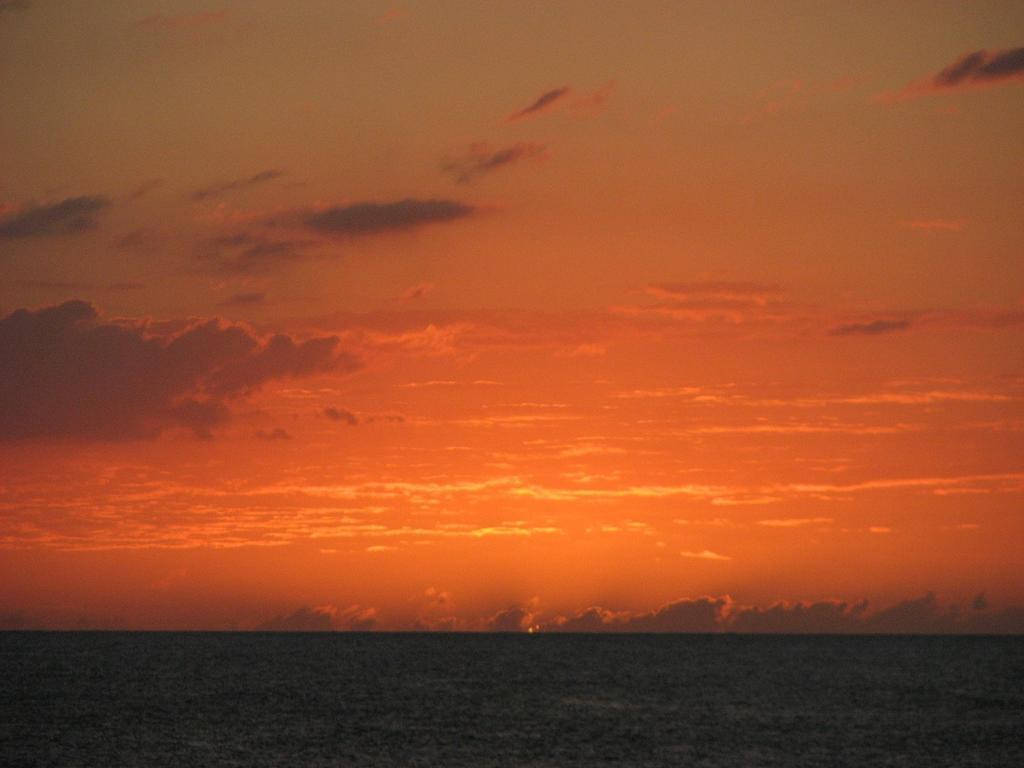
67, 373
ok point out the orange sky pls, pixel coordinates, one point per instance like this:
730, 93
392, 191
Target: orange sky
481, 316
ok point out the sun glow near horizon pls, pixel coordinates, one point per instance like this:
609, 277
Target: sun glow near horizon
308, 324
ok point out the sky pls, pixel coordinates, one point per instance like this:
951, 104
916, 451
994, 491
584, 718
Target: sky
519, 316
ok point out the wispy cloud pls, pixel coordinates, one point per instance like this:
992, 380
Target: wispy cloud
704, 554
415, 292
70, 216
341, 415
542, 103
872, 328
372, 218
795, 522
977, 69
480, 160
216, 190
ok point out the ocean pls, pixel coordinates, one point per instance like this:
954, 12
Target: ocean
245, 699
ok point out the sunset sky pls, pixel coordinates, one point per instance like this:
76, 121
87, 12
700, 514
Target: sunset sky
551, 315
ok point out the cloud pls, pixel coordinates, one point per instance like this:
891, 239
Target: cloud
795, 522
723, 290
480, 160
514, 619
924, 615
827, 616
372, 218
872, 328
976, 69
182, 22
277, 433
415, 292
920, 615
305, 619
216, 190
704, 554
14, 5
267, 242
703, 614
66, 373
252, 253
244, 300
542, 103
700, 615
982, 67
340, 414
70, 216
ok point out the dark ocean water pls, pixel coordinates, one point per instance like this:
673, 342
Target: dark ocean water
196, 699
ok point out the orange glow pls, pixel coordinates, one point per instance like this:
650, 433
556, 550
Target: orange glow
308, 322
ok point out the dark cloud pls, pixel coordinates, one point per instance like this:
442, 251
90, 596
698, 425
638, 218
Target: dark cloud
982, 67
480, 160
589, 620
362, 219
340, 414
303, 620
68, 217
66, 373
277, 433
415, 292
700, 615
923, 615
873, 328
703, 614
13, 5
216, 190
976, 69
799, 618
543, 102
250, 299
514, 619
271, 241
249, 253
